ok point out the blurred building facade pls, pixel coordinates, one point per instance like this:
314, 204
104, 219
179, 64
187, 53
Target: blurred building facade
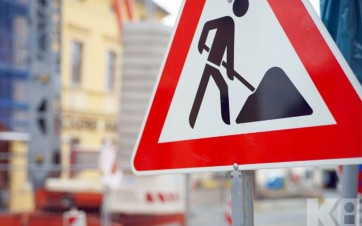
153, 199
148, 10
91, 71
90, 74
14, 102
90, 84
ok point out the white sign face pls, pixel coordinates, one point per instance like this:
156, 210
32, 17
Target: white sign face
260, 44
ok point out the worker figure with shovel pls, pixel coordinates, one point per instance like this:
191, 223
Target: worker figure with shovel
223, 43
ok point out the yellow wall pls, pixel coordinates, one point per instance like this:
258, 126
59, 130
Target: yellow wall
21, 194
94, 24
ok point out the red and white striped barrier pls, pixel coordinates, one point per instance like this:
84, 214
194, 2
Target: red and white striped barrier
162, 197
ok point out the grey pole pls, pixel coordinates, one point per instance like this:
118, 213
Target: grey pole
242, 210
105, 211
349, 191
188, 200
44, 84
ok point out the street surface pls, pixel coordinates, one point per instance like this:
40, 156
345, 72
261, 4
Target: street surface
206, 209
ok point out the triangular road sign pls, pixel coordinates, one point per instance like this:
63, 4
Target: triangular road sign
257, 83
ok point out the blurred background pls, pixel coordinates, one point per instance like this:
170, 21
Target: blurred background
76, 77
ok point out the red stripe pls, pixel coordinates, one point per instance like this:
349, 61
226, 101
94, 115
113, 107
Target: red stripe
228, 219
130, 9
161, 197
71, 220
149, 197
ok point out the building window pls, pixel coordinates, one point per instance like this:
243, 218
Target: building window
77, 55
111, 70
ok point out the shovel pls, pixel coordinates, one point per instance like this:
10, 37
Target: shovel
239, 77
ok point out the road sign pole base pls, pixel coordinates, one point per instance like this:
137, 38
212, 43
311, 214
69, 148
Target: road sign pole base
242, 210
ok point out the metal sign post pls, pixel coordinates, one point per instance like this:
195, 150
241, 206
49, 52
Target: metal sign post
349, 190
242, 211
106, 218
